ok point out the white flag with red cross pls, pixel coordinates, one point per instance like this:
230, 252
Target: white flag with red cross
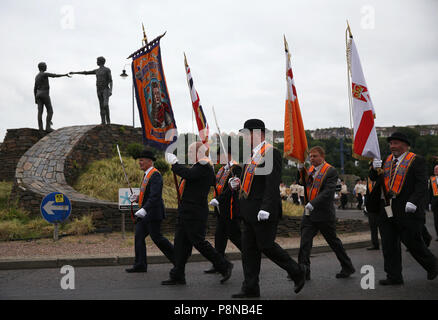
365, 143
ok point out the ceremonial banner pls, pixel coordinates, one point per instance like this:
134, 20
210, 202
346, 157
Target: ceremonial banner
365, 142
295, 140
201, 121
152, 96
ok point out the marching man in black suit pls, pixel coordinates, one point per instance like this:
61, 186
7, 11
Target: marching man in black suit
433, 197
261, 209
193, 213
319, 212
151, 213
227, 202
402, 215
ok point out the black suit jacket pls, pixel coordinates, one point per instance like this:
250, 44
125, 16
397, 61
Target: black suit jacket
265, 191
152, 200
414, 190
199, 178
323, 204
432, 199
227, 193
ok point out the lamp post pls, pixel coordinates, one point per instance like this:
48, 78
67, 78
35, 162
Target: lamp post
124, 75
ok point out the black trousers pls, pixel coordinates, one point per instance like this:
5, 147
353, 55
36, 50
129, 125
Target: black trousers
373, 223
435, 220
227, 229
309, 230
344, 200
395, 231
190, 233
295, 198
359, 201
152, 228
255, 242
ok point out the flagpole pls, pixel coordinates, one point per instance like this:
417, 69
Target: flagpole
350, 98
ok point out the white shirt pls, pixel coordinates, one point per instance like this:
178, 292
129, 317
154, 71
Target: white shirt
400, 158
147, 171
315, 172
257, 149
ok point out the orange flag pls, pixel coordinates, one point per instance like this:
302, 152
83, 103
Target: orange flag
295, 140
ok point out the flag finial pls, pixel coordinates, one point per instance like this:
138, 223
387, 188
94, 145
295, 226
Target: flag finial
185, 60
349, 30
145, 38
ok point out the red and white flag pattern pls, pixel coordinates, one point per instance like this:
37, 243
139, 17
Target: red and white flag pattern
201, 120
366, 143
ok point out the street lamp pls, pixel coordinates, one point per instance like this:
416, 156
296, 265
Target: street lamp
124, 75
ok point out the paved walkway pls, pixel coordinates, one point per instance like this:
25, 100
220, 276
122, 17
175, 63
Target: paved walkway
118, 251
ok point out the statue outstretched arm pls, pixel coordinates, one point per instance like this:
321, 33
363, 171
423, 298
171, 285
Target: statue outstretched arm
83, 72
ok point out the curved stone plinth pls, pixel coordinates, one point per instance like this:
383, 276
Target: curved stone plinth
54, 163
41, 168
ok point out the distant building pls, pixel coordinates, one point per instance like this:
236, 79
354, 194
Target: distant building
343, 132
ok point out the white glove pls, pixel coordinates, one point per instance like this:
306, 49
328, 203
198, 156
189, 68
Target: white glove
170, 158
263, 215
234, 183
214, 203
430, 207
410, 207
141, 213
300, 165
377, 163
309, 206
133, 197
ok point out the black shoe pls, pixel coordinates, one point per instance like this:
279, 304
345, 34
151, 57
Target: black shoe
373, 248
307, 274
134, 269
211, 270
432, 275
227, 274
390, 282
173, 282
242, 295
345, 273
300, 280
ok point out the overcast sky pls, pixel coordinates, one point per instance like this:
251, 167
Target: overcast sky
236, 54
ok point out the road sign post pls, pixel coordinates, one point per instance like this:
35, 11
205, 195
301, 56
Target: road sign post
125, 204
55, 208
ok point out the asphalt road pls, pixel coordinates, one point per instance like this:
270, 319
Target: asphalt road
114, 283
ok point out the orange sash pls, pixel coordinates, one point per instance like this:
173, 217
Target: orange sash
399, 176
248, 176
434, 184
314, 186
144, 185
221, 178
370, 185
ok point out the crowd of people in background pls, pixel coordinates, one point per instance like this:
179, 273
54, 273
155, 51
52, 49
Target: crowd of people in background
295, 193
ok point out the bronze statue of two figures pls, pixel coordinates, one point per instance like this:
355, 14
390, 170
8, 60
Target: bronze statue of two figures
104, 86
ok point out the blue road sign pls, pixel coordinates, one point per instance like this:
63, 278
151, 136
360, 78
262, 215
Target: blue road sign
55, 207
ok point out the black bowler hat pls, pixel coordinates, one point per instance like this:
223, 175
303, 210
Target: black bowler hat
399, 136
253, 124
145, 154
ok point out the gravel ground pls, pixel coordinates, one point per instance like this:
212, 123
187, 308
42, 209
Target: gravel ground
113, 244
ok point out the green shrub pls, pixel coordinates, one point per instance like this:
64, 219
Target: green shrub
81, 226
134, 149
162, 165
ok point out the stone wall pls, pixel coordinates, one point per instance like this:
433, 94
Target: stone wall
15, 144
99, 143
